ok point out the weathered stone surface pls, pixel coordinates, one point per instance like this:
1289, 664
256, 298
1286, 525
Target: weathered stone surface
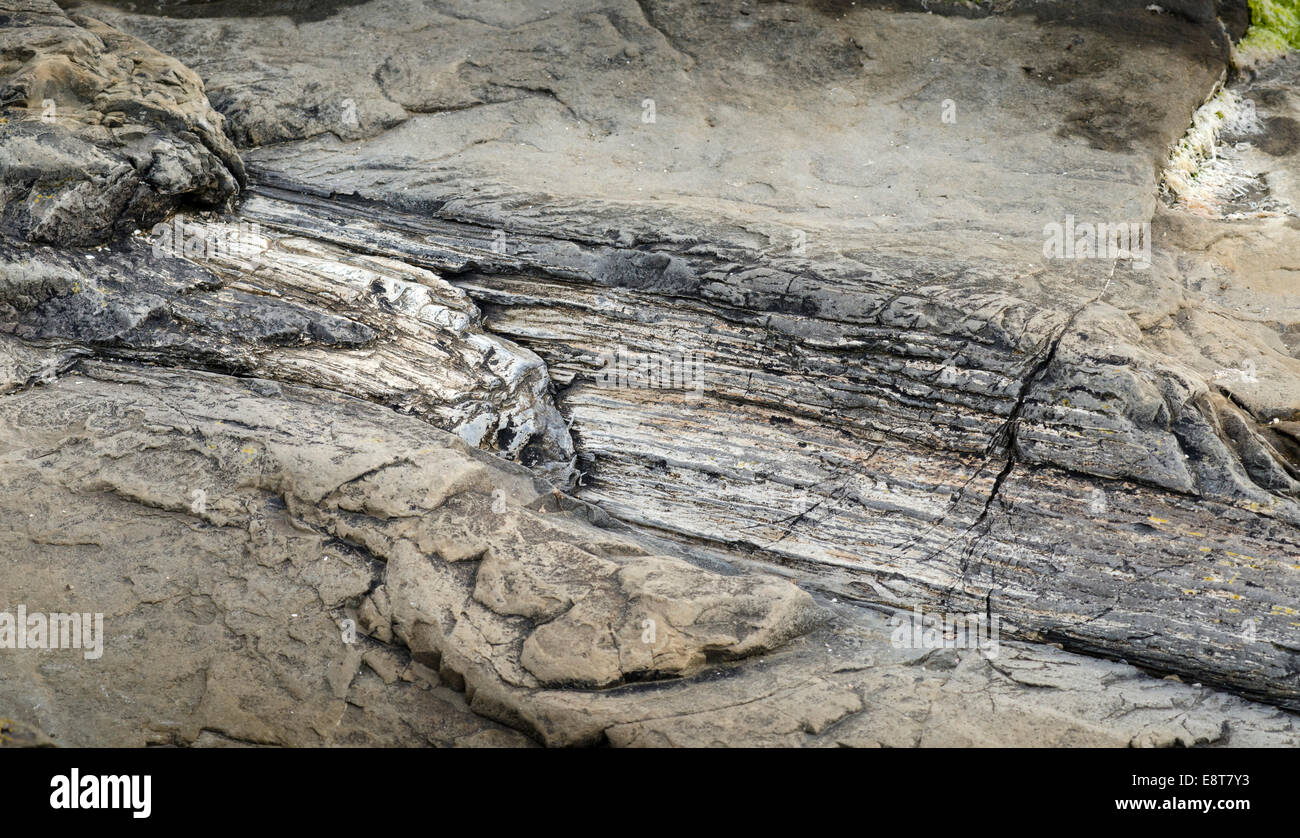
258, 590
224, 610
99, 133
903, 401
868, 402
20, 735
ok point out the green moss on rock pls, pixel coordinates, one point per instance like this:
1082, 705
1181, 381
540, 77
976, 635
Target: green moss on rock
1274, 26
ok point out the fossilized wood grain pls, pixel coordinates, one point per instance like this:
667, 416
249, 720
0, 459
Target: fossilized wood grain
227, 613
294, 310
915, 413
891, 447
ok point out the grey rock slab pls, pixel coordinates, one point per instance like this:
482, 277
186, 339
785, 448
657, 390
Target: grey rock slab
767, 120
904, 477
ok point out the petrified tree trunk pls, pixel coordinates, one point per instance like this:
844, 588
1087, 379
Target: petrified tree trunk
832, 220
898, 478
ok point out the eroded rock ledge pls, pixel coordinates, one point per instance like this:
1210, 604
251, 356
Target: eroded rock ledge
100, 133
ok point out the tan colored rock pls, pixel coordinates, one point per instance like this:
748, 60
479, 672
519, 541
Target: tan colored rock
226, 612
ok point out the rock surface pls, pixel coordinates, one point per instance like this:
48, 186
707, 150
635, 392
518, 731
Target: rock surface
292, 310
896, 398
229, 527
99, 133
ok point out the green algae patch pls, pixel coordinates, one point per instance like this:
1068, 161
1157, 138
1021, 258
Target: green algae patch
1274, 29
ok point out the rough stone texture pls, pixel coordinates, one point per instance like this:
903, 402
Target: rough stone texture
874, 494
20, 735
223, 618
99, 133
904, 402
280, 516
